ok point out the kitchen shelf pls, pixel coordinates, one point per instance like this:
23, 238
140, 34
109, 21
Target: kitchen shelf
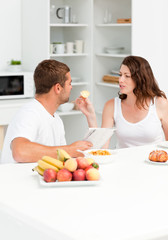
69, 55
68, 25
112, 55
113, 85
114, 25
73, 112
79, 83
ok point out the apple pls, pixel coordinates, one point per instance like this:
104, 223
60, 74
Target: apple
50, 175
71, 164
64, 175
95, 165
90, 160
79, 175
92, 174
82, 162
86, 169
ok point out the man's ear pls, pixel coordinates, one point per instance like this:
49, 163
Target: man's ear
57, 88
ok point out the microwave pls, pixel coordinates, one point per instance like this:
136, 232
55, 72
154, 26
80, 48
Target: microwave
16, 85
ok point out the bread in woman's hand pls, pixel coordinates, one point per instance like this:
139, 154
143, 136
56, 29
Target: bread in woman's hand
85, 94
158, 156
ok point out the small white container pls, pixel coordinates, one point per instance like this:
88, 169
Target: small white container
66, 107
113, 50
14, 68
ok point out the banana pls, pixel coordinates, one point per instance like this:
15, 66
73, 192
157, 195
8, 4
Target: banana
44, 165
53, 161
62, 155
39, 170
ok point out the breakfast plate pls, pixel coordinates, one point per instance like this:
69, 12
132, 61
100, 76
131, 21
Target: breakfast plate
101, 159
68, 183
163, 144
156, 163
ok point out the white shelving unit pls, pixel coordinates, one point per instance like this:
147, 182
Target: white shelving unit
68, 25
44, 27
68, 55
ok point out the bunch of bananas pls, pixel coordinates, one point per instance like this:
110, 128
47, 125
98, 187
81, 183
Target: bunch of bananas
53, 163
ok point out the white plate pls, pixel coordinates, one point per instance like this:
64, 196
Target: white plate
101, 159
163, 144
68, 183
156, 163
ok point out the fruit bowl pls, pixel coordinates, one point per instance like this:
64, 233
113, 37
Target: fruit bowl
67, 183
66, 107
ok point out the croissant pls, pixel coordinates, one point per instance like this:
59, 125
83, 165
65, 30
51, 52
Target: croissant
158, 156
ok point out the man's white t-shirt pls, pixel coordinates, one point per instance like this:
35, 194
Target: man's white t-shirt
33, 122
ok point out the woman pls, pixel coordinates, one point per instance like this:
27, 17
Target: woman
140, 113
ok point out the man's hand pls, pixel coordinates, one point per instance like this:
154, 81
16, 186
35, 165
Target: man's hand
79, 145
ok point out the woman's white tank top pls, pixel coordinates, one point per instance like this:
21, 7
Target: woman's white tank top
147, 131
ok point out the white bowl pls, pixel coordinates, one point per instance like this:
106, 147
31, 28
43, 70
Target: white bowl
66, 107
113, 50
101, 159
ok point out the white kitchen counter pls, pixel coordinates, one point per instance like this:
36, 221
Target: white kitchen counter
130, 202
7, 110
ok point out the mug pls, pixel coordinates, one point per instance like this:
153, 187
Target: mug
79, 44
69, 47
60, 48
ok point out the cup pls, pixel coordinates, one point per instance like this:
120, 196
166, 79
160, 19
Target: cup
79, 44
69, 47
60, 48
74, 19
52, 48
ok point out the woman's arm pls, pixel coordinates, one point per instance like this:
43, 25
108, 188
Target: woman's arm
162, 110
86, 107
108, 117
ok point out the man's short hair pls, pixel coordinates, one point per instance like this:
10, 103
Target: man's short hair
48, 73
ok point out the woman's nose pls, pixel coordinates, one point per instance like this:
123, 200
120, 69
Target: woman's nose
121, 79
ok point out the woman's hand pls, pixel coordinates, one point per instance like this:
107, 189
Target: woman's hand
86, 107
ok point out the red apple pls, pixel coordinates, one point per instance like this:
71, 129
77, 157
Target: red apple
64, 175
86, 169
79, 175
95, 165
50, 175
82, 162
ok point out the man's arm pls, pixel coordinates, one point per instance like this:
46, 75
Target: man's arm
26, 151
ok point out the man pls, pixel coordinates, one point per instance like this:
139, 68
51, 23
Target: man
36, 129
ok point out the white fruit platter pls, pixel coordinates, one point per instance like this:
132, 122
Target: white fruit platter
100, 159
67, 183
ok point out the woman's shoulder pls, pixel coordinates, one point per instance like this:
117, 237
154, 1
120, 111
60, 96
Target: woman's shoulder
162, 106
110, 103
161, 102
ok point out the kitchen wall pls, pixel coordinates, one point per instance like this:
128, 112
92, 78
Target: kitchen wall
154, 50
10, 31
151, 40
